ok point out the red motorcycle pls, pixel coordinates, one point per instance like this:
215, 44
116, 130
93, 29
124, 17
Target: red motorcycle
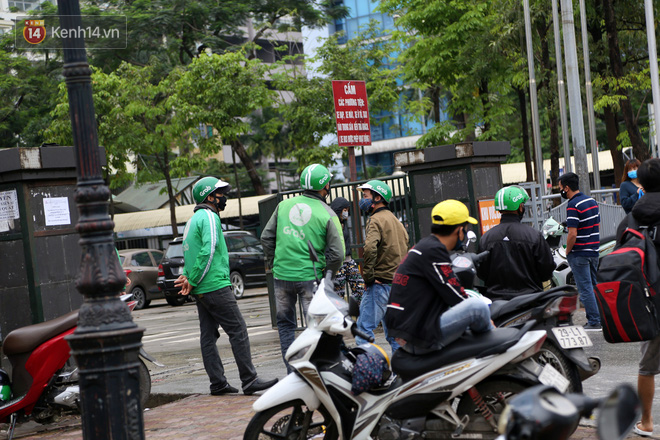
44, 382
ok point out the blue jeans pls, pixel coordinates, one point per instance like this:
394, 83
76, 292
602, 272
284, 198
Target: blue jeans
372, 310
584, 271
473, 314
286, 294
219, 308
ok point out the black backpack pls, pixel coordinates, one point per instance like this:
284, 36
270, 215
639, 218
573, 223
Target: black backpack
628, 283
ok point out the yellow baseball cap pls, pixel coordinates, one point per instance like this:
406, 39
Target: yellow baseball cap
451, 212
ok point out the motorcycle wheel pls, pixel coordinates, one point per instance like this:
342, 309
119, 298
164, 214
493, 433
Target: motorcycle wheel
144, 380
286, 421
495, 394
549, 354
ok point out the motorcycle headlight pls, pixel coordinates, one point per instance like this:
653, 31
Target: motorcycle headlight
315, 320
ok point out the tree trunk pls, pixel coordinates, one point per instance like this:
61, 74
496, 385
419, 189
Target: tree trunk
522, 100
639, 146
485, 102
612, 128
435, 97
170, 193
247, 162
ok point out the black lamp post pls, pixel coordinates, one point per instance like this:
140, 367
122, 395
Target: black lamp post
106, 343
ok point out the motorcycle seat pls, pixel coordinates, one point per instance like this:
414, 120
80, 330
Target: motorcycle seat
26, 339
408, 366
501, 308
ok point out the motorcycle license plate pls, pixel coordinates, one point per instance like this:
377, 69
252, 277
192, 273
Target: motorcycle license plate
550, 376
573, 336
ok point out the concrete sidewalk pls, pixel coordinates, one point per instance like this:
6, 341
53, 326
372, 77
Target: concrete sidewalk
196, 417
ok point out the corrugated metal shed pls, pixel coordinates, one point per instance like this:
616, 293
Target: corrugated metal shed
148, 196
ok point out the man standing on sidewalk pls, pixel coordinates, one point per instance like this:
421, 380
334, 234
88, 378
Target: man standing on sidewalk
582, 243
385, 245
206, 277
295, 222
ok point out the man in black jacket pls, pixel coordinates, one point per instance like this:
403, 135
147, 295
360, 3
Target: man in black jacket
520, 259
647, 213
428, 308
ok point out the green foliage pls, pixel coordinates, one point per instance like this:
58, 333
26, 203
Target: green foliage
224, 171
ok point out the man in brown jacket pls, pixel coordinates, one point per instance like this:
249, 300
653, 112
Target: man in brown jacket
384, 247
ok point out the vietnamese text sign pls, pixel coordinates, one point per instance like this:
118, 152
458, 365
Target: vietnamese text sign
8, 205
352, 113
488, 216
56, 211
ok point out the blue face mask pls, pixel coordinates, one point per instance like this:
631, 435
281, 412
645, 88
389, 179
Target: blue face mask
632, 174
365, 205
459, 242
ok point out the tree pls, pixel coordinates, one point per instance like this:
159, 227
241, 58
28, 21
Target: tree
135, 118
222, 91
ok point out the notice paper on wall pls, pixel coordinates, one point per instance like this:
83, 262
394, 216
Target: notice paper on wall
8, 205
56, 211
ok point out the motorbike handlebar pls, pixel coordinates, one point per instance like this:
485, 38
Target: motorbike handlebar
356, 332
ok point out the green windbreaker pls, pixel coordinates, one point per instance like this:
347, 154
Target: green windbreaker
294, 222
206, 261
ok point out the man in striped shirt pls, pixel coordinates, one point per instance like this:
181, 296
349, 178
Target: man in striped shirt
583, 222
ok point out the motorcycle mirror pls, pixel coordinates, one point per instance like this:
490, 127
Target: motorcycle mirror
471, 236
618, 413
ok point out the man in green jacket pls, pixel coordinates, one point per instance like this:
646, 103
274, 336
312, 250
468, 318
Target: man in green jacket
385, 245
295, 222
206, 277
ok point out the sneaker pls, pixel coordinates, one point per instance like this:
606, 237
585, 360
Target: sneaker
227, 389
593, 327
258, 385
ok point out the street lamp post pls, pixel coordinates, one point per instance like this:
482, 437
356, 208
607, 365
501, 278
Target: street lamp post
106, 342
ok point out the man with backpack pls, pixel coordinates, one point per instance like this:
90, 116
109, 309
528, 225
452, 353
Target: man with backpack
646, 213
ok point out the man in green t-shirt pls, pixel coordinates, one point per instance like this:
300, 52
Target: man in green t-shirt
295, 222
206, 277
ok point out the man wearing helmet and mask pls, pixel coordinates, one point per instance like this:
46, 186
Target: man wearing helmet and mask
428, 308
206, 278
295, 222
520, 259
385, 245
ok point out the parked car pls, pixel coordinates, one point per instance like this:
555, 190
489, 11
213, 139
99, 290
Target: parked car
169, 270
141, 267
246, 265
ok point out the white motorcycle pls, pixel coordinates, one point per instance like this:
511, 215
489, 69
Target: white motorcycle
458, 392
552, 232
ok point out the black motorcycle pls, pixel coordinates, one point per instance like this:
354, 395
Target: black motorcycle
552, 310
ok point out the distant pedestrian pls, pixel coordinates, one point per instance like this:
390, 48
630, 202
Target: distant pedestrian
647, 214
385, 245
296, 221
206, 277
582, 243
630, 190
349, 272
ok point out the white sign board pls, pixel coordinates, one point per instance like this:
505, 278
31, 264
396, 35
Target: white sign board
8, 205
56, 211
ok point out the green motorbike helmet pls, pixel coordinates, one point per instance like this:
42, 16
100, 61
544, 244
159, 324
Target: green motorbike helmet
206, 185
315, 177
379, 187
510, 198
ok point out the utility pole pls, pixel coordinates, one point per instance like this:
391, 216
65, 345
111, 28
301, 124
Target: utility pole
568, 165
653, 61
593, 142
536, 130
106, 342
574, 98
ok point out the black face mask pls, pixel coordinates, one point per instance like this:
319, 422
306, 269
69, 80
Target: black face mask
220, 202
521, 213
564, 194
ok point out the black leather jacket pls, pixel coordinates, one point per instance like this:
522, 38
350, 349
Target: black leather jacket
519, 260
